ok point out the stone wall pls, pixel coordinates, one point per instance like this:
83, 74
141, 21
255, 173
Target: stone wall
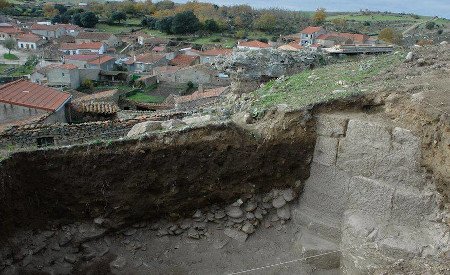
65, 134
248, 68
369, 196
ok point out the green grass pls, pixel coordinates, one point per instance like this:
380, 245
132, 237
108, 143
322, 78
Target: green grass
325, 83
141, 97
376, 17
10, 56
227, 42
115, 29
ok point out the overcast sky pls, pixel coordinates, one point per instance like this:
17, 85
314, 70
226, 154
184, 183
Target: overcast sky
439, 8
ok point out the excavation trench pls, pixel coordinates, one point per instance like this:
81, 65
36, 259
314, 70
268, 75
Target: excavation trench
365, 197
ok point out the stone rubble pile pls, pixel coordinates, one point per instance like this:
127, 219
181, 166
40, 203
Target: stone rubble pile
238, 220
59, 250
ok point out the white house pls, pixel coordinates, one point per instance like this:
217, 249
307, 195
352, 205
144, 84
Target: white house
309, 35
29, 41
83, 48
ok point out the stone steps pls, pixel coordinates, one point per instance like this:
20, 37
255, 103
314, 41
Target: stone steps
309, 244
322, 224
322, 202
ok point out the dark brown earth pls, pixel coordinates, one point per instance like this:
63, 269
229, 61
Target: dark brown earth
167, 174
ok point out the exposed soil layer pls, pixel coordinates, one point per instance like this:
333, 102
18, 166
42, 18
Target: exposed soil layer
164, 174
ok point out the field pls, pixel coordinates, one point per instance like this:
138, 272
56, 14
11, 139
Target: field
325, 83
145, 98
377, 17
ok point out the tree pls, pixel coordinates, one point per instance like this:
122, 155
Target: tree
4, 4
266, 22
340, 23
76, 19
211, 25
165, 24
185, 22
389, 35
319, 16
88, 19
49, 10
10, 44
149, 22
430, 25
118, 16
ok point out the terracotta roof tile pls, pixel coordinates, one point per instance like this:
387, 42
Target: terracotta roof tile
254, 44
184, 60
310, 30
25, 93
200, 95
215, 52
83, 46
10, 30
101, 59
97, 36
28, 37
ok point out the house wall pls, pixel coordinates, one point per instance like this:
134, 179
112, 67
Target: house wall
82, 64
37, 78
91, 74
326, 43
4, 36
27, 45
148, 67
61, 77
10, 113
107, 66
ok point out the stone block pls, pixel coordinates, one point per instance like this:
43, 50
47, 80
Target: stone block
325, 150
370, 198
330, 125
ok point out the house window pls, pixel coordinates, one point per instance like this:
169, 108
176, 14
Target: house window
62, 74
32, 46
45, 141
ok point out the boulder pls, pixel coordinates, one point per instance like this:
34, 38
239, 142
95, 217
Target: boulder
172, 124
236, 234
409, 57
144, 127
196, 120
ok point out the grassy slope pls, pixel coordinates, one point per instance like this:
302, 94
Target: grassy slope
377, 17
325, 83
141, 97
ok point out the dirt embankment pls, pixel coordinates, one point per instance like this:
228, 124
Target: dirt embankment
163, 174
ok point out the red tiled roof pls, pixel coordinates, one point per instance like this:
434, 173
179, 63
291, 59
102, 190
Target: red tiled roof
296, 45
44, 27
83, 46
28, 37
183, 60
68, 67
25, 93
97, 36
200, 95
254, 44
101, 59
158, 49
10, 30
215, 52
166, 69
310, 30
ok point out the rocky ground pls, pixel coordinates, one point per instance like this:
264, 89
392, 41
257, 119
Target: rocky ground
252, 232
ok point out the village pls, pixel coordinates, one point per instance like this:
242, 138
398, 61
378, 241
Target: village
161, 137
83, 76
